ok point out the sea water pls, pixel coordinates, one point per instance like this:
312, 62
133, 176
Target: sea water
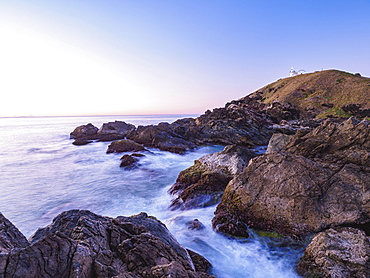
42, 174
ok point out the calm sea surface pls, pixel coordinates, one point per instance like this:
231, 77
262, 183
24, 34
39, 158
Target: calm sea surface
42, 174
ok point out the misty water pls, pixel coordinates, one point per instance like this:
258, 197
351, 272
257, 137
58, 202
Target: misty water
42, 174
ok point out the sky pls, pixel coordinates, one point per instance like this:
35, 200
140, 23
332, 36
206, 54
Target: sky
132, 57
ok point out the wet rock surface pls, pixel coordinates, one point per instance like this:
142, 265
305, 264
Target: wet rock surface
204, 183
125, 145
82, 244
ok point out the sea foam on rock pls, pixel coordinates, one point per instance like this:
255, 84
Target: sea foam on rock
204, 183
80, 243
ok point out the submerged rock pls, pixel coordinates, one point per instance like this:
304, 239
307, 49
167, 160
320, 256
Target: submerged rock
337, 252
128, 161
80, 243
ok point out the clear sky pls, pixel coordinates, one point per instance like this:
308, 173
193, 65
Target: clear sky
89, 57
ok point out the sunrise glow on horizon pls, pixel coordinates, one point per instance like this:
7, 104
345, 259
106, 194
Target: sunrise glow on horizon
166, 57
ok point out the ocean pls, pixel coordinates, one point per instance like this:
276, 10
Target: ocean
42, 174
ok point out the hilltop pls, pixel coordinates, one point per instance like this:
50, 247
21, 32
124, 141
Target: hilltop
322, 94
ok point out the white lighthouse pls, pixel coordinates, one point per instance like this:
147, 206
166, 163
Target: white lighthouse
294, 72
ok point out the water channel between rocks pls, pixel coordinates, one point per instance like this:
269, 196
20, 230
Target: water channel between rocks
43, 174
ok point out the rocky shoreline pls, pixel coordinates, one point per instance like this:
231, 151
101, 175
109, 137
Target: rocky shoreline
80, 243
312, 186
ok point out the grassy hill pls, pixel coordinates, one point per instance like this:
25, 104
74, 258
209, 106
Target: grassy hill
320, 94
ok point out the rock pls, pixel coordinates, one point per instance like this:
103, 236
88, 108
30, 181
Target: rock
240, 124
84, 131
356, 110
200, 263
318, 180
128, 161
203, 183
10, 236
277, 142
81, 142
116, 127
195, 225
235, 124
161, 137
125, 145
82, 244
337, 252
347, 142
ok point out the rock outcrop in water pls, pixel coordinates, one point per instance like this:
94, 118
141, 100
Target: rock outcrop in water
82, 244
242, 125
204, 183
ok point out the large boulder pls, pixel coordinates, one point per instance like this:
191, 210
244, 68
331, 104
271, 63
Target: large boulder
318, 180
337, 252
82, 244
84, 131
204, 183
115, 130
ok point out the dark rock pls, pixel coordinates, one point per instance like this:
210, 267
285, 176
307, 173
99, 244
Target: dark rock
128, 161
125, 145
10, 236
81, 244
116, 127
161, 137
337, 252
356, 110
318, 179
200, 263
195, 225
203, 183
81, 142
82, 131
166, 142
240, 125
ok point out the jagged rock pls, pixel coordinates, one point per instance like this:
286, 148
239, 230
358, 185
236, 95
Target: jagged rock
277, 142
162, 137
317, 180
240, 125
10, 236
337, 252
203, 183
84, 131
347, 142
125, 145
82, 244
116, 127
128, 161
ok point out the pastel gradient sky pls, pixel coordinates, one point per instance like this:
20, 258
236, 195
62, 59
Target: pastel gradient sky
89, 57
